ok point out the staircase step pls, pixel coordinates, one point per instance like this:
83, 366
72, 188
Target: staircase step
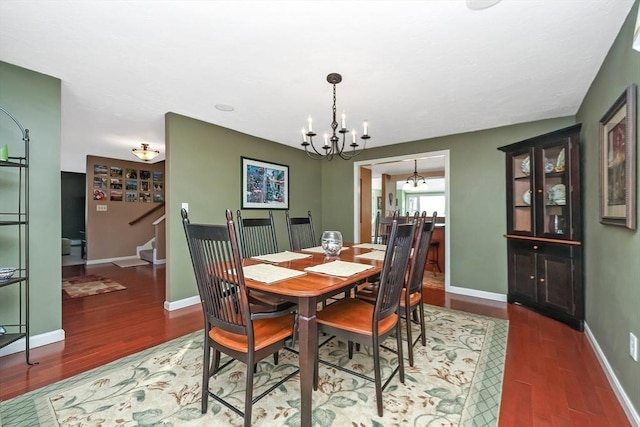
147, 255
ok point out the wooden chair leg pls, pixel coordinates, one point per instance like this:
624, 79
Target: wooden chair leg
377, 376
422, 327
409, 335
350, 349
400, 356
415, 314
315, 366
248, 396
206, 365
294, 333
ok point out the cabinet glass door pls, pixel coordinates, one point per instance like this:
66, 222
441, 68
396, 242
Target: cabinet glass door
554, 219
522, 197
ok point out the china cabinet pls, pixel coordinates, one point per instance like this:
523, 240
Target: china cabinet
544, 225
14, 221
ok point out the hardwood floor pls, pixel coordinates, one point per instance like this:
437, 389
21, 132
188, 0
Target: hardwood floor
552, 376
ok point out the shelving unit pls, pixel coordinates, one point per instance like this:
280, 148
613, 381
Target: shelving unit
16, 219
544, 225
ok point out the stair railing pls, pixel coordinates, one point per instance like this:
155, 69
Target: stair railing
147, 213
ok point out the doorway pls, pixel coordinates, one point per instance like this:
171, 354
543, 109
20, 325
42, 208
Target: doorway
404, 166
73, 200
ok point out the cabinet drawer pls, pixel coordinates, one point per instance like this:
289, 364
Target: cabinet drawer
552, 249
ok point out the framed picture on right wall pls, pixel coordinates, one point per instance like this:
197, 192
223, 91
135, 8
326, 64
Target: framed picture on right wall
618, 139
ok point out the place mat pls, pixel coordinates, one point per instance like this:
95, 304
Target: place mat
339, 268
374, 246
267, 273
281, 257
377, 255
319, 250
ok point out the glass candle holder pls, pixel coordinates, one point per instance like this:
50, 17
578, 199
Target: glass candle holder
331, 242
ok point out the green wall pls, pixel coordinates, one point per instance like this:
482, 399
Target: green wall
477, 217
477, 220
612, 253
203, 170
34, 100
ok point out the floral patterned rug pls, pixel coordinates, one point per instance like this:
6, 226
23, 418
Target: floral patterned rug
82, 286
456, 381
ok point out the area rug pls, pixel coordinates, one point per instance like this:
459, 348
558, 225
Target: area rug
130, 262
82, 286
456, 381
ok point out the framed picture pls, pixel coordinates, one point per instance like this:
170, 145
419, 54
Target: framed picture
116, 184
618, 162
131, 184
99, 182
131, 173
116, 171
100, 169
116, 196
264, 185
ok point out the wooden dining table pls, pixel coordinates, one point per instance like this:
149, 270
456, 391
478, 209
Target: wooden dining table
307, 291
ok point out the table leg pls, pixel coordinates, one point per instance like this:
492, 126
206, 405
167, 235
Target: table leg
307, 332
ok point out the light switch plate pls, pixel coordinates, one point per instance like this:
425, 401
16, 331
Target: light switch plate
185, 206
101, 208
633, 346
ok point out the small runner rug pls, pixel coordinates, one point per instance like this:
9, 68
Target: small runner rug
135, 262
82, 286
456, 381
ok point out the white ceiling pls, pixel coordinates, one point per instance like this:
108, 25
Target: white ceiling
414, 69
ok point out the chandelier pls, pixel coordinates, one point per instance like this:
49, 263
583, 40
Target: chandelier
144, 153
332, 145
415, 181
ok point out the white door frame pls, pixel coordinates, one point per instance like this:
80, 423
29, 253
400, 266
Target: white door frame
356, 199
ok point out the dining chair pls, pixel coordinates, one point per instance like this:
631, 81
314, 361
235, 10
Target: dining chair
301, 233
258, 237
411, 297
383, 226
231, 324
434, 249
369, 325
